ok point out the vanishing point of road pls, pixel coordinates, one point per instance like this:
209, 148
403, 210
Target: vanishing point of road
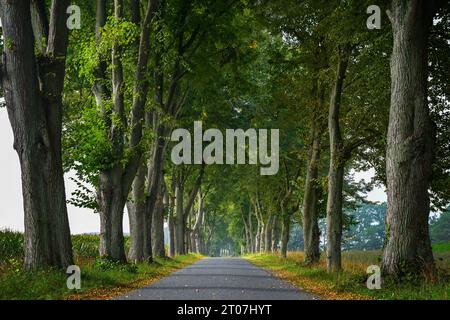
220, 279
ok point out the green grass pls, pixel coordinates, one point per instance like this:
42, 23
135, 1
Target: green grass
99, 279
351, 283
441, 247
97, 282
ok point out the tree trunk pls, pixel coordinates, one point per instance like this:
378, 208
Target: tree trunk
158, 228
257, 236
261, 227
198, 224
187, 240
285, 234
274, 239
33, 95
410, 145
311, 234
158, 223
111, 202
136, 213
171, 218
336, 170
111, 197
334, 219
250, 229
268, 233
246, 233
116, 183
179, 218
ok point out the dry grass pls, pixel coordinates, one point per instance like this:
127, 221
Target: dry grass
351, 283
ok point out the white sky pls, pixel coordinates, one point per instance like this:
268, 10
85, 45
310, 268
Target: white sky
81, 220
11, 212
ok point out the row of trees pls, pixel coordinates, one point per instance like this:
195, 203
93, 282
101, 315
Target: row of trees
375, 104
102, 102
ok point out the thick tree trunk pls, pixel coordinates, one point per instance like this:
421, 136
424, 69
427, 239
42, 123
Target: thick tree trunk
136, 213
336, 171
34, 103
410, 145
334, 218
311, 234
141, 220
111, 202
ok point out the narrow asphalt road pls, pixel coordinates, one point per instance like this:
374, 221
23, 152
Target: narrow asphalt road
220, 279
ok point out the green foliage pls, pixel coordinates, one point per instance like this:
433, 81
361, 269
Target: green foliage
108, 264
440, 228
11, 247
368, 231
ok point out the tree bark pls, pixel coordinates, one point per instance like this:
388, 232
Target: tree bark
268, 233
111, 200
33, 95
274, 239
311, 234
171, 223
158, 223
410, 143
179, 218
336, 170
198, 224
285, 234
136, 213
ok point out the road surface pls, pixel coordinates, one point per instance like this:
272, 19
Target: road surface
219, 279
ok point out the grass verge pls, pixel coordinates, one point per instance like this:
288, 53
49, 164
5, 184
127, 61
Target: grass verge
97, 282
351, 283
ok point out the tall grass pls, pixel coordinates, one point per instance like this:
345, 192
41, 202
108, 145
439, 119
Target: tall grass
358, 261
11, 246
84, 246
351, 282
